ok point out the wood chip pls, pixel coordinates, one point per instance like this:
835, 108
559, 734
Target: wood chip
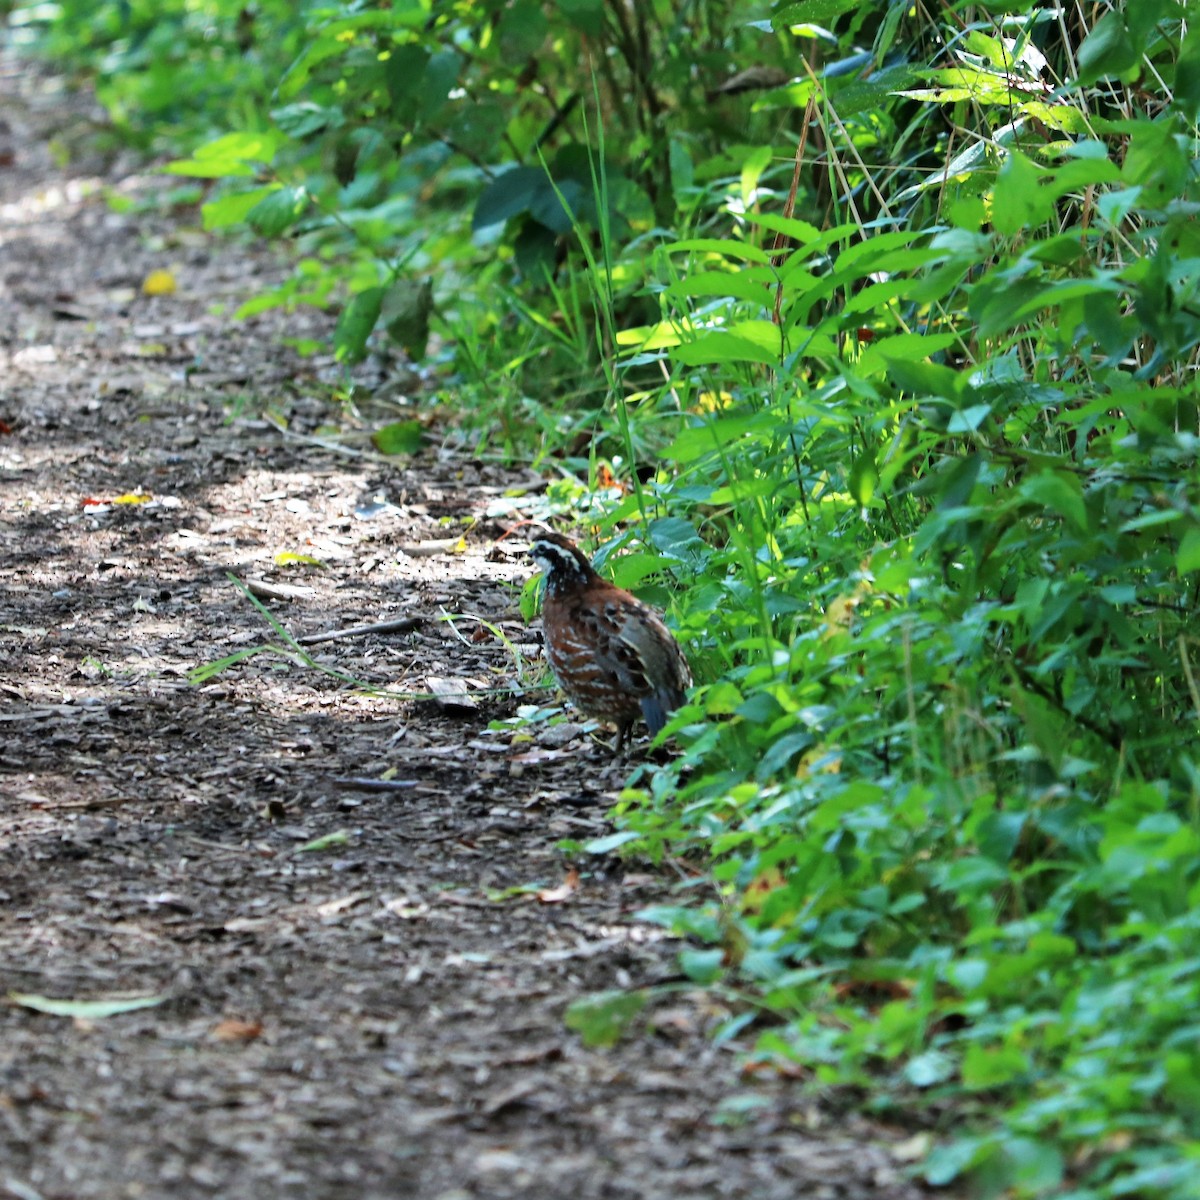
450, 695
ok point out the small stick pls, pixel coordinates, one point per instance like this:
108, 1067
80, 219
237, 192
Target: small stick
400, 625
355, 784
277, 591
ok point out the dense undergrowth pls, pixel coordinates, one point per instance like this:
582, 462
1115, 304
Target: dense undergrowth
865, 336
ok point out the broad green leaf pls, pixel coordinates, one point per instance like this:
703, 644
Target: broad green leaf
986, 1067
738, 251
810, 12
400, 437
1187, 557
1107, 50
235, 154
951, 1160
86, 1010
710, 436
612, 841
405, 314
1018, 200
601, 1019
508, 194
356, 323
930, 1068
276, 212
586, 15
863, 479
1060, 492
967, 420
904, 347
232, 210
677, 538
741, 343
1187, 74
750, 284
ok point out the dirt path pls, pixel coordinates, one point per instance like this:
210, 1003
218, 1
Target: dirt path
379, 1019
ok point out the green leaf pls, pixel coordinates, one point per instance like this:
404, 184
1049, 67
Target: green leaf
811, 12
947, 1162
400, 437
612, 841
601, 1019
930, 1068
863, 479
677, 538
1187, 557
1107, 50
986, 1067
232, 155
87, 1010
585, 15
1187, 74
232, 210
340, 837
1018, 200
507, 195
1060, 492
274, 213
702, 966
355, 325
405, 315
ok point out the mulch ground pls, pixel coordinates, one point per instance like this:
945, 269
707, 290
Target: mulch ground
381, 1017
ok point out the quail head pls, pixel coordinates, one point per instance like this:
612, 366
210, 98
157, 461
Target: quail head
612, 655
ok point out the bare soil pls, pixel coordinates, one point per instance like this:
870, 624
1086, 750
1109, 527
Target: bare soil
379, 1018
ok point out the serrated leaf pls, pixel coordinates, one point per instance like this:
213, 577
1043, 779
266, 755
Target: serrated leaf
400, 437
601, 1019
88, 1010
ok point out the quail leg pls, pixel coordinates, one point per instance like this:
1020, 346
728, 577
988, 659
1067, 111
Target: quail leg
623, 728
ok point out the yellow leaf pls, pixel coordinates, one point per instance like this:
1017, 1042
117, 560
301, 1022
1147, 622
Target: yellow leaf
287, 558
821, 759
712, 401
159, 283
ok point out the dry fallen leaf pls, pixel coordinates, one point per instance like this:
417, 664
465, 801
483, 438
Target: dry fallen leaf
233, 1030
569, 885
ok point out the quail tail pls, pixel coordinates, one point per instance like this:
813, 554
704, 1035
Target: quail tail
658, 707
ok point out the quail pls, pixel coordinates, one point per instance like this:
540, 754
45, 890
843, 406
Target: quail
612, 655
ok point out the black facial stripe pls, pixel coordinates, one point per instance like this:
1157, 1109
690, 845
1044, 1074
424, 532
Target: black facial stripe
555, 558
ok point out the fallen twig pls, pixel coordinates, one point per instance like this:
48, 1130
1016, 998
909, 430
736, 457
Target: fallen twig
400, 625
355, 784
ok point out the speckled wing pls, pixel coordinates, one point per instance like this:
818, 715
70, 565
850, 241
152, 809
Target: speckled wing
646, 662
